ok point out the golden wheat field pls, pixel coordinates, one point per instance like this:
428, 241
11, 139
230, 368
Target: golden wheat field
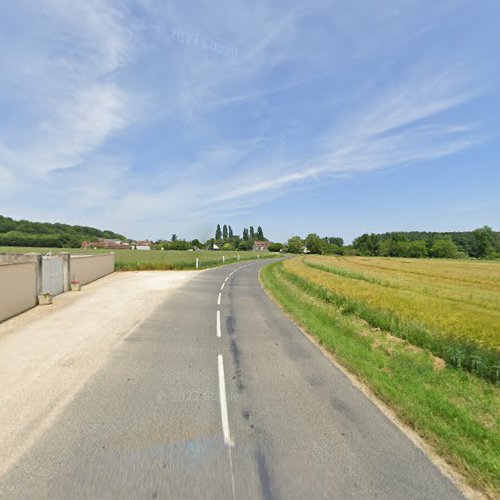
457, 298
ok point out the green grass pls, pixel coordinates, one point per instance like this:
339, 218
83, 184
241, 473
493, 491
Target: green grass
138, 260
456, 412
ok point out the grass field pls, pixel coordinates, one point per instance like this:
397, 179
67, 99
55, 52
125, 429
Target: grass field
139, 260
385, 319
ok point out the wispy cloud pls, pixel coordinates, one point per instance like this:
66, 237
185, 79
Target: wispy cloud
100, 107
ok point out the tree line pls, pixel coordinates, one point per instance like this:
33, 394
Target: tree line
224, 239
44, 234
482, 243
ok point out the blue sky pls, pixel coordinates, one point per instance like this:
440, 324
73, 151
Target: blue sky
337, 117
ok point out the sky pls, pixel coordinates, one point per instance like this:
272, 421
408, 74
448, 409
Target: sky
338, 117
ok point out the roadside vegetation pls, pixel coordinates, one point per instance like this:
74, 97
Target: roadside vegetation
160, 260
422, 334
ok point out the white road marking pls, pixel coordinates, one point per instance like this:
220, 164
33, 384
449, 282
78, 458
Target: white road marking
222, 287
226, 279
218, 324
218, 300
223, 403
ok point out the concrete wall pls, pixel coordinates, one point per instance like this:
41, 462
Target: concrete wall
18, 288
87, 268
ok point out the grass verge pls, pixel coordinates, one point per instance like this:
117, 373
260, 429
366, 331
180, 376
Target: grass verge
454, 411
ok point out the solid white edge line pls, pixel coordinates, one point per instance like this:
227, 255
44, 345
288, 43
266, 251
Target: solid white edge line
218, 324
223, 402
218, 299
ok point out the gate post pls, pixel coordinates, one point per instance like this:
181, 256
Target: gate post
66, 270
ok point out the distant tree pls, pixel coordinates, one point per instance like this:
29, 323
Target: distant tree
218, 233
196, 243
174, 238
275, 247
227, 246
334, 240
332, 249
245, 245
180, 245
367, 244
444, 249
295, 244
314, 243
484, 241
417, 249
224, 232
260, 234
245, 234
252, 233
230, 232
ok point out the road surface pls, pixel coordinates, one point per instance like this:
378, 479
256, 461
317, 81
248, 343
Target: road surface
216, 394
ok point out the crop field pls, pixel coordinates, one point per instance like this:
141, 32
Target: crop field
451, 308
422, 334
142, 260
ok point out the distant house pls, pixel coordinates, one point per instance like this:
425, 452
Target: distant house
143, 245
305, 249
260, 246
215, 247
107, 244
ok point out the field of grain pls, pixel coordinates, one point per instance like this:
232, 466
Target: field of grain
140, 260
450, 307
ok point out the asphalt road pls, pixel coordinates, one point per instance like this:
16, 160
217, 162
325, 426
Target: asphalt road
257, 412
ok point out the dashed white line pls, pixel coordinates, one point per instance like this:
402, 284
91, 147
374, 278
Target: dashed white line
218, 300
218, 324
226, 279
222, 287
223, 403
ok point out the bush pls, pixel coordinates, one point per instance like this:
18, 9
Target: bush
275, 247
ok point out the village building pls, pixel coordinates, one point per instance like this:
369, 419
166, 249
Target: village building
143, 245
107, 244
260, 246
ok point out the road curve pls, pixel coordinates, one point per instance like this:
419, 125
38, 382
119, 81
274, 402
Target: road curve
218, 395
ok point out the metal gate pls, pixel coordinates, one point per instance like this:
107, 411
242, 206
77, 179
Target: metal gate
52, 274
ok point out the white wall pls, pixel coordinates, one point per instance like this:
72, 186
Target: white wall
18, 288
88, 268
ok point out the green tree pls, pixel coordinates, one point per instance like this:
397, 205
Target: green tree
314, 243
245, 234
333, 240
444, 249
227, 246
484, 242
417, 249
230, 232
174, 238
245, 245
260, 234
252, 233
275, 247
224, 232
332, 249
295, 244
218, 233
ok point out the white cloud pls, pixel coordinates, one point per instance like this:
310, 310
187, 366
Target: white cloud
318, 92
